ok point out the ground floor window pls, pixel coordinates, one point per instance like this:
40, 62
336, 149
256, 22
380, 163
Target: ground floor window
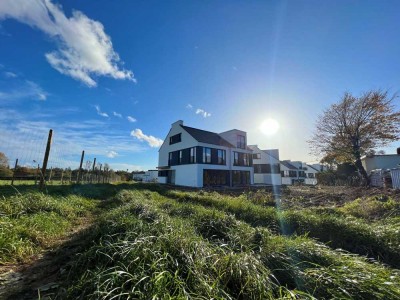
240, 177
215, 177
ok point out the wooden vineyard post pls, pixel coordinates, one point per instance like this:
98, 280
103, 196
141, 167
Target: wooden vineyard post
78, 180
15, 170
46, 159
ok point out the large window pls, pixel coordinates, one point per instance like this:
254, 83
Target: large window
163, 173
175, 139
180, 157
241, 141
257, 156
311, 175
193, 155
236, 158
221, 157
241, 159
170, 159
240, 177
302, 174
207, 155
292, 174
215, 177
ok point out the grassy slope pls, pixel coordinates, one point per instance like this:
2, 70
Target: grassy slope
152, 242
155, 246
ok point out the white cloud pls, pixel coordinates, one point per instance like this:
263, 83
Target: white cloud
99, 112
115, 114
189, 106
10, 75
26, 89
151, 140
112, 154
203, 113
84, 49
131, 119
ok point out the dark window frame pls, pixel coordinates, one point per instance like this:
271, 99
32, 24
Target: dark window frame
177, 138
241, 141
222, 157
206, 155
192, 159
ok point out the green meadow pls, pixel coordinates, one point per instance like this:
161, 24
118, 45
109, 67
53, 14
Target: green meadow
145, 241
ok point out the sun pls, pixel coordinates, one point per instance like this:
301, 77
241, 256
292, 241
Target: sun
269, 127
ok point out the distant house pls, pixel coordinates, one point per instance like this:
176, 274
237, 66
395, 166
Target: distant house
380, 161
150, 176
298, 172
311, 175
197, 158
266, 166
289, 172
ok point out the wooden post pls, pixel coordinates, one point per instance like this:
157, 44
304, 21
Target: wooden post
37, 174
46, 159
99, 177
15, 169
78, 180
51, 173
94, 164
62, 177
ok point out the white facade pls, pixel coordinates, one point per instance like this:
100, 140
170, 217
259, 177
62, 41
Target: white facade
386, 161
297, 171
175, 167
266, 166
150, 176
311, 175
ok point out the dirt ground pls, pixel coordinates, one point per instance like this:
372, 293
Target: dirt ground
37, 278
328, 196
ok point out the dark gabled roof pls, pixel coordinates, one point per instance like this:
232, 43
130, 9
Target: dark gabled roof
288, 165
207, 137
310, 166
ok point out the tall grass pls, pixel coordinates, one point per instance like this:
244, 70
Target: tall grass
153, 247
32, 221
337, 231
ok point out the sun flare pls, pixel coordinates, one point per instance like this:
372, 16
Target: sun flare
269, 127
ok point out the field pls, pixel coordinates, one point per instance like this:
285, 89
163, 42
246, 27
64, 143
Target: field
145, 241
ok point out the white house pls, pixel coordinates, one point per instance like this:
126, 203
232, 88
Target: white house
150, 176
380, 161
297, 171
266, 166
198, 158
311, 175
289, 172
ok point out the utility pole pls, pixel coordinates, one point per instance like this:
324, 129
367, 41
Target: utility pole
15, 169
78, 180
46, 159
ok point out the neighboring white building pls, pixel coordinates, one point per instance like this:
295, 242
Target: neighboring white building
198, 158
289, 172
380, 161
266, 166
297, 171
311, 175
150, 176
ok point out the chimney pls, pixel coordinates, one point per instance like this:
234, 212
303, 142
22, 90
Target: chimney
179, 122
398, 151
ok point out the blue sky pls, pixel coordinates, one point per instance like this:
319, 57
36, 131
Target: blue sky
111, 77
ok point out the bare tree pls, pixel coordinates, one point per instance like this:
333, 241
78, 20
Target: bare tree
355, 126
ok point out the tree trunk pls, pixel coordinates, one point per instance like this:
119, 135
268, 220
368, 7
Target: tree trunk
360, 167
